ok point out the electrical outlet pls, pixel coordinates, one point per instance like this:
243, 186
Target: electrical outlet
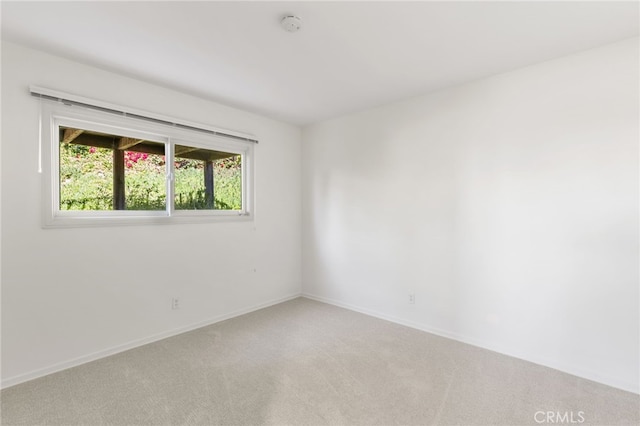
175, 303
412, 298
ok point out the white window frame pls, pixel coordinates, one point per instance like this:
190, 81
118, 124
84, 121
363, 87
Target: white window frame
56, 114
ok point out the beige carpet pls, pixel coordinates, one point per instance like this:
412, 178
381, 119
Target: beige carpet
308, 363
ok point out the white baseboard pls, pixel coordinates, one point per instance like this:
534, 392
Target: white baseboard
15, 380
569, 369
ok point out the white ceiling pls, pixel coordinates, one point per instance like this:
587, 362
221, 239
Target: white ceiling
348, 55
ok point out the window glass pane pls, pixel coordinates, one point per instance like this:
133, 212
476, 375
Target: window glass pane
86, 177
207, 180
145, 177
100, 171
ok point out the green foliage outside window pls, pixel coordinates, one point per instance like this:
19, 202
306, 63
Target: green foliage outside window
86, 181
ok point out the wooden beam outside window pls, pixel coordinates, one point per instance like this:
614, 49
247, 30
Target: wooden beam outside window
208, 184
183, 150
70, 134
126, 143
119, 201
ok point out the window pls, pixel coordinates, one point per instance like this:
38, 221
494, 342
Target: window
100, 171
103, 168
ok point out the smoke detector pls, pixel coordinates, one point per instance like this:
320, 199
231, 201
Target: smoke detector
291, 23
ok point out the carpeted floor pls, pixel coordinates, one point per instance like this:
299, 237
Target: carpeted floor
308, 363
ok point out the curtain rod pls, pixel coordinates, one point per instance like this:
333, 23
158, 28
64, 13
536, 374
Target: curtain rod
51, 95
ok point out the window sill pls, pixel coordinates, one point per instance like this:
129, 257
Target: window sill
71, 220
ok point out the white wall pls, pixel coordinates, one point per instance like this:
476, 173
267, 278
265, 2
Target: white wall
509, 205
81, 293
